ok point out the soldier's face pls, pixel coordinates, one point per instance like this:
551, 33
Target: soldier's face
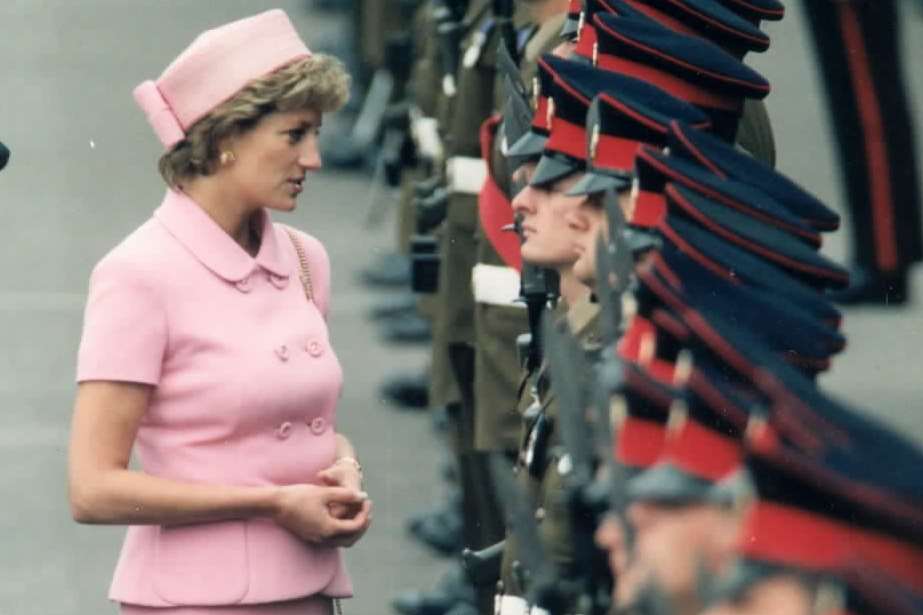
674, 543
272, 159
610, 537
548, 241
777, 594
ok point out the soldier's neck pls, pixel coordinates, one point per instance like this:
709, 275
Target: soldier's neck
572, 290
543, 10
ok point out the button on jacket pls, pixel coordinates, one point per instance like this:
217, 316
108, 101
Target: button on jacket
246, 386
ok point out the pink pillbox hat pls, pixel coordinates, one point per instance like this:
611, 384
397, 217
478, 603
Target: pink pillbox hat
217, 65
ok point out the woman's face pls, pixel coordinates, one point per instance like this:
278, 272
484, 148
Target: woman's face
272, 158
548, 241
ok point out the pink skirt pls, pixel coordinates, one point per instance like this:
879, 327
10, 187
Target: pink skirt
313, 605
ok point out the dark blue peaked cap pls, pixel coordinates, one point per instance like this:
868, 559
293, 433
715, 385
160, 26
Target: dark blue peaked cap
735, 194
756, 10
707, 19
617, 123
645, 40
781, 318
733, 263
575, 85
786, 330
837, 436
726, 161
768, 242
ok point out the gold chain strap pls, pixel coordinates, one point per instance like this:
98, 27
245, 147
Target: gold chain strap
303, 264
305, 276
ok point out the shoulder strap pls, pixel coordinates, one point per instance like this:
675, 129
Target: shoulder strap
305, 270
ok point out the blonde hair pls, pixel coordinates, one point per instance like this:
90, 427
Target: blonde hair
318, 82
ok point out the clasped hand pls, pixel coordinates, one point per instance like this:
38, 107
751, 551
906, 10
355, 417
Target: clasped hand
335, 514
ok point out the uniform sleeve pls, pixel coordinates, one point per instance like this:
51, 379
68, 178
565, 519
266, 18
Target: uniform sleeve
124, 328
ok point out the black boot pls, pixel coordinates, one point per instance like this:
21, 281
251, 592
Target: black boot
869, 286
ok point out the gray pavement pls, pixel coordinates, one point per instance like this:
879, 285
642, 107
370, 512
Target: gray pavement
83, 174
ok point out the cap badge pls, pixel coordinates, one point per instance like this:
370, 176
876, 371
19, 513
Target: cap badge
595, 53
581, 21
536, 92
550, 115
594, 142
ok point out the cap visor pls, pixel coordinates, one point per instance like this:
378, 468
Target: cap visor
665, 482
592, 183
531, 144
570, 28
550, 170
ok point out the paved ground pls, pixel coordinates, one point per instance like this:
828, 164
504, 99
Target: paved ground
83, 175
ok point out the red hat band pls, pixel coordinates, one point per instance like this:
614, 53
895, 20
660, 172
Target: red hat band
639, 442
649, 209
702, 452
793, 536
567, 138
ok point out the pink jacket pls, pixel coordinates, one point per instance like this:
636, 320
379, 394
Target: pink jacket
246, 386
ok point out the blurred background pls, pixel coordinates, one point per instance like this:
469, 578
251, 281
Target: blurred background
83, 174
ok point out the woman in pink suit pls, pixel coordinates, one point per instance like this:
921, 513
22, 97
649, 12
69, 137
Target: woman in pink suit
205, 347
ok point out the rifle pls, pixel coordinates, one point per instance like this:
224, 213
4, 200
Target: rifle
588, 499
537, 571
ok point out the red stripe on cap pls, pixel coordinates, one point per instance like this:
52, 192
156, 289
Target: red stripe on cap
494, 209
695, 255
678, 26
616, 153
674, 85
873, 131
567, 138
675, 197
695, 151
639, 443
649, 209
811, 236
788, 535
663, 19
702, 452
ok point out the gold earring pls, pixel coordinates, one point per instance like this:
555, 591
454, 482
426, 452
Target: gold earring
227, 157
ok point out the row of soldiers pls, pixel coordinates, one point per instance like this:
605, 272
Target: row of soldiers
630, 310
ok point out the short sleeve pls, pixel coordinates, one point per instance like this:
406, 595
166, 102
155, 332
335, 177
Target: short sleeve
124, 328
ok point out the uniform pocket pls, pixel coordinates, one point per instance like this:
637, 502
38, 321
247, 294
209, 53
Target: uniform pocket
203, 564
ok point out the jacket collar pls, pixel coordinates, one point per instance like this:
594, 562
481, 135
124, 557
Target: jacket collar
213, 247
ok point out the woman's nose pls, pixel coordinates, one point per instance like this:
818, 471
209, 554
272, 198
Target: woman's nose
309, 156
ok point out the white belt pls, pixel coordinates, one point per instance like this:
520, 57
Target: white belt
514, 605
495, 285
425, 132
466, 174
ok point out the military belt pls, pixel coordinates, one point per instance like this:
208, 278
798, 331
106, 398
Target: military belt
495, 285
466, 174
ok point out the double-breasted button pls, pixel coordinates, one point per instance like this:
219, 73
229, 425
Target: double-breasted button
279, 281
314, 348
245, 285
284, 430
318, 425
282, 352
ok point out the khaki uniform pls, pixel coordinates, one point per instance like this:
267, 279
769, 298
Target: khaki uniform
542, 479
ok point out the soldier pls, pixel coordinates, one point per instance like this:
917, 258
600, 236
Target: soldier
857, 45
